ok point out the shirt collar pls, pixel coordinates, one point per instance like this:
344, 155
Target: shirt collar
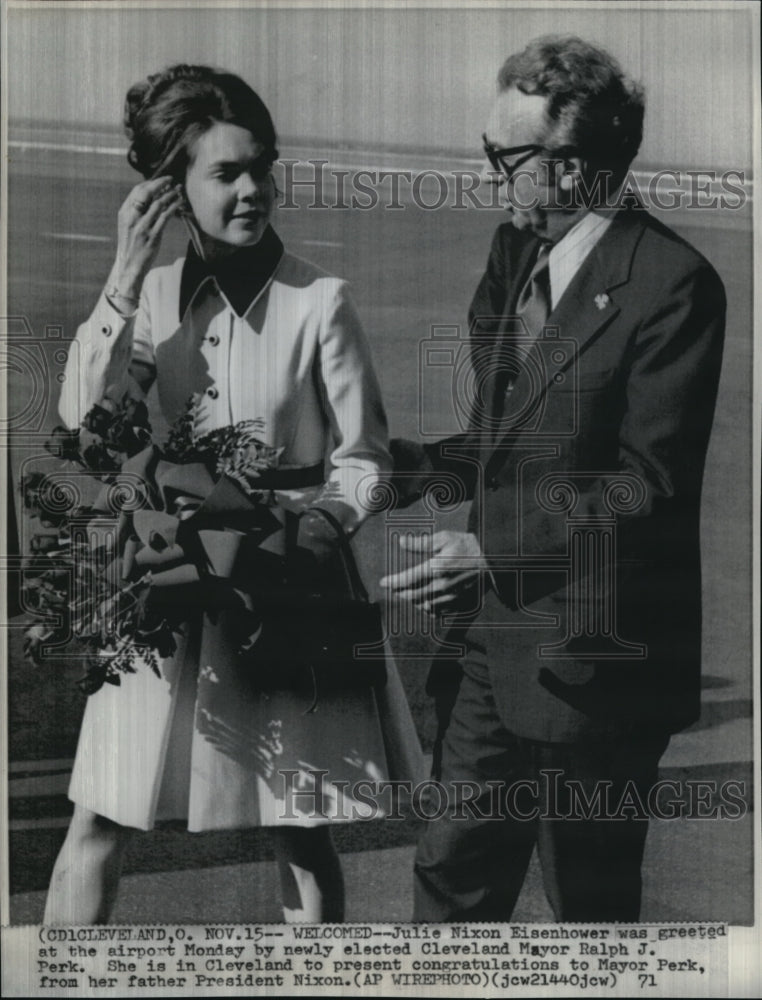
240, 277
568, 255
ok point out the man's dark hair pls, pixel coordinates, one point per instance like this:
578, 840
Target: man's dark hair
592, 106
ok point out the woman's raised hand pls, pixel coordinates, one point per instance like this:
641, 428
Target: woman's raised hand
141, 221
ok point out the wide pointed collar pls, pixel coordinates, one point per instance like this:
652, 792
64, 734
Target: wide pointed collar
610, 260
240, 277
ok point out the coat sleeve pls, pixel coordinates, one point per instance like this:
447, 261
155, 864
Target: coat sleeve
111, 355
359, 456
670, 388
416, 464
491, 294
484, 316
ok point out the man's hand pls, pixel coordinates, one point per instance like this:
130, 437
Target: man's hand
446, 578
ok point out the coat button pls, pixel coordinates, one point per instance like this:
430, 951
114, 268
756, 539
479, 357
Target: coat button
213, 339
212, 393
106, 330
493, 484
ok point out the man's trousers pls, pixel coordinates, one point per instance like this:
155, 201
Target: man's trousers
584, 805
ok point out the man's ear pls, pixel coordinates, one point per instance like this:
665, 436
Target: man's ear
571, 170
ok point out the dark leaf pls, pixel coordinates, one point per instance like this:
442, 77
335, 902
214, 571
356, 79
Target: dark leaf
64, 443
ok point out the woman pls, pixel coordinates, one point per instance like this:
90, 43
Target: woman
253, 332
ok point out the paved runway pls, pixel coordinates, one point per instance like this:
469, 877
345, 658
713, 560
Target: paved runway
410, 268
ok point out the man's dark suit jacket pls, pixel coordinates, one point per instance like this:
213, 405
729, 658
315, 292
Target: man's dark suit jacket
646, 314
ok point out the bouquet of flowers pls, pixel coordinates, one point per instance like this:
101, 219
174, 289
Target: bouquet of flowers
130, 539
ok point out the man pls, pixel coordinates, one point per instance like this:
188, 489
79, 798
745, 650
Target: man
596, 339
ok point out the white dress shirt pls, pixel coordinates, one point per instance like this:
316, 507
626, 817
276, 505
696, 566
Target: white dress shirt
568, 255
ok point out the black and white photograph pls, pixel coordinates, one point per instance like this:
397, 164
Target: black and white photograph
381, 459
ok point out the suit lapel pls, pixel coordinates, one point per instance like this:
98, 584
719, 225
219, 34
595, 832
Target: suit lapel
488, 343
589, 304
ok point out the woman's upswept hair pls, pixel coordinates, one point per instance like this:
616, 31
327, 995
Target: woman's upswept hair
592, 106
167, 112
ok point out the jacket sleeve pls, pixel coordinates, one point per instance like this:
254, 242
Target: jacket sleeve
485, 316
359, 458
111, 355
670, 388
456, 455
491, 295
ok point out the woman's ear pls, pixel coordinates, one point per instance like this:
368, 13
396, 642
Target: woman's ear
194, 230
185, 206
276, 190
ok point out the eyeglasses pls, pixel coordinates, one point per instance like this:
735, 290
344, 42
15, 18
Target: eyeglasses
497, 156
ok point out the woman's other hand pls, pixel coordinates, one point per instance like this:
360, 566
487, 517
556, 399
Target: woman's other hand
318, 563
141, 221
412, 470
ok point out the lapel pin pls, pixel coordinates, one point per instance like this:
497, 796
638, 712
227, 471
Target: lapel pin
602, 300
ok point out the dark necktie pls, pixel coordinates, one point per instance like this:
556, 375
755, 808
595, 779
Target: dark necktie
534, 300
